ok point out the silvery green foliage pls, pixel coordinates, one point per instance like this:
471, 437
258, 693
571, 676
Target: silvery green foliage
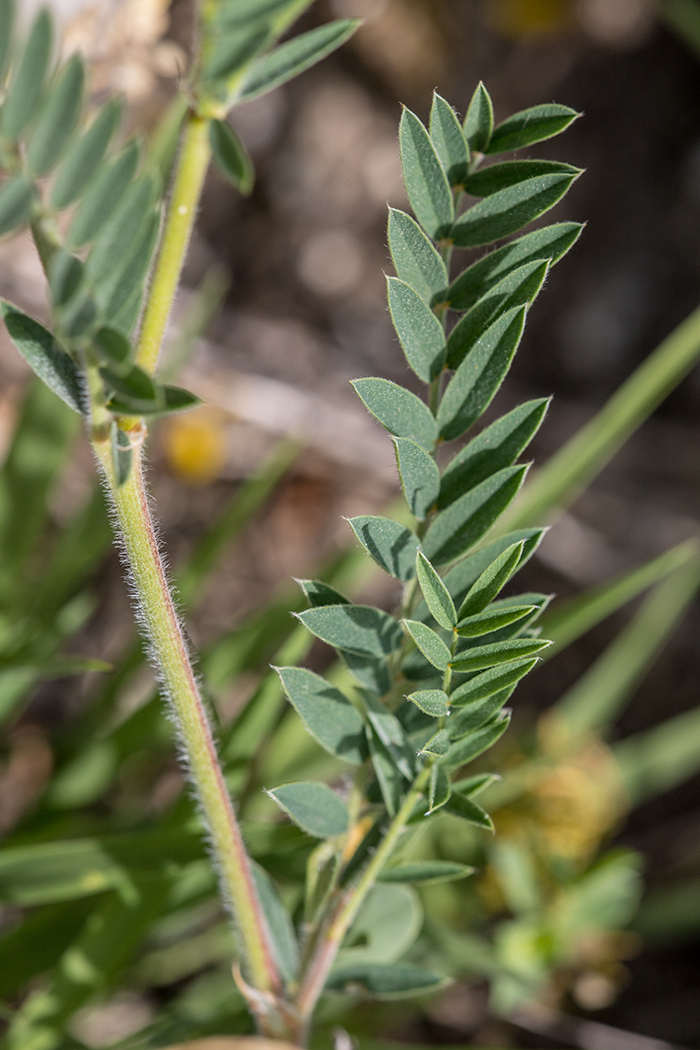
432, 681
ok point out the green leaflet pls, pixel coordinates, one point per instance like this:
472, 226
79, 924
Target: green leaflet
427, 871
426, 183
360, 629
478, 123
473, 716
383, 981
492, 681
27, 81
496, 653
389, 779
491, 580
415, 259
492, 620
551, 242
318, 593
518, 288
461, 578
387, 925
459, 527
227, 53
429, 643
659, 759
294, 56
474, 785
44, 356
529, 126
327, 714
370, 671
123, 307
313, 807
279, 924
432, 701
58, 119
466, 809
419, 474
507, 211
439, 788
117, 236
65, 277
489, 180
401, 412
390, 732
392, 546
496, 447
420, 333
239, 12
231, 156
85, 155
438, 745
436, 595
103, 196
481, 373
16, 199
448, 139
475, 744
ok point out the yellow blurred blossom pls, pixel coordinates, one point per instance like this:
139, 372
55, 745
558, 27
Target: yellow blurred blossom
525, 18
195, 445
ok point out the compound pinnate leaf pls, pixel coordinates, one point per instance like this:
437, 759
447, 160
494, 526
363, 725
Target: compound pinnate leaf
231, 157
58, 119
327, 714
492, 620
314, 807
427, 871
497, 653
466, 520
496, 447
384, 981
419, 474
518, 288
551, 242
27, 81
478, 123
85, 155
319, 593
492, 681
360, 629
529, 126
459, 579
16, 199
448, 139
420, 333
103, 196
436, 595
415, 258
480, 374
491, 580
429, 643
508, 210
294, 56
439, 788
431, 701
400, 411
392, 545
44, 356
426, 183
459, 806
499, 176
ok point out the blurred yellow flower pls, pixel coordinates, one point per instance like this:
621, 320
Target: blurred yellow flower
524, 18
195, 445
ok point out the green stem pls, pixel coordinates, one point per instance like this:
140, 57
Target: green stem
170, 655
341, 920
193, 162
591, 448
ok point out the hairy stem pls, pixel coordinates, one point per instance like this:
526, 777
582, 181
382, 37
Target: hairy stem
192, 166
170, 655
